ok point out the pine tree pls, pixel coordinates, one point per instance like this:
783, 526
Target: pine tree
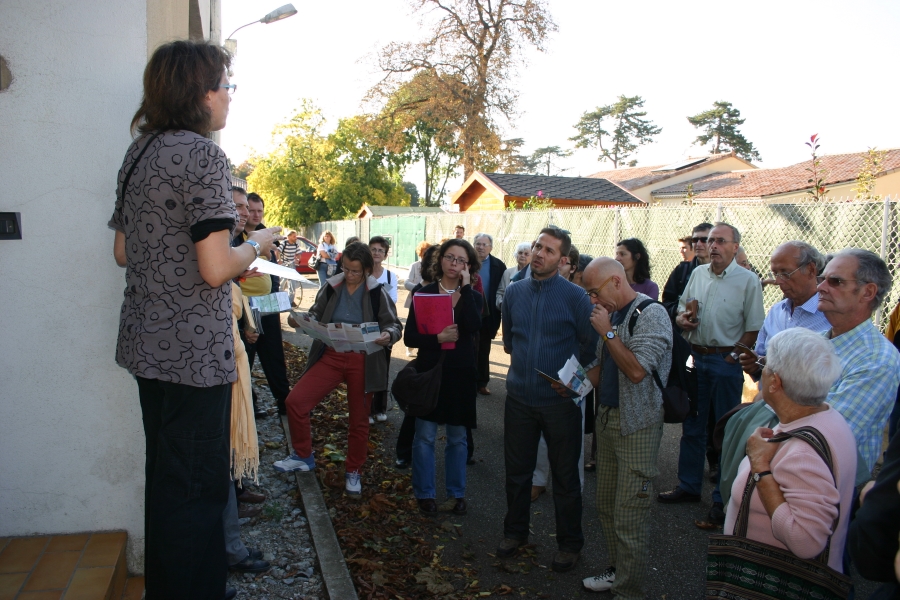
720, 126
629, 130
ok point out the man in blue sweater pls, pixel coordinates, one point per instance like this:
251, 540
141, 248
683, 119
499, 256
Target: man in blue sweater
546, 319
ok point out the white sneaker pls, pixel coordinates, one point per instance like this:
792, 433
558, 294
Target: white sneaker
371, 421
602, 582
295, 463
352, 484
381, 417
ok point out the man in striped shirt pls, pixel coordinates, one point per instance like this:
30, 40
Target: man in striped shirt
288, 258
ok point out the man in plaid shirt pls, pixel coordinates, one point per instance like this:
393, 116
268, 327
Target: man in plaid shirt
852, 286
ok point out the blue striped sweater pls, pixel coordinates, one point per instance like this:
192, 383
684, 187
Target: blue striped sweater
544, 323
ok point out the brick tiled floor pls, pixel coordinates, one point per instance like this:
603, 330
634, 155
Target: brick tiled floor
64, 567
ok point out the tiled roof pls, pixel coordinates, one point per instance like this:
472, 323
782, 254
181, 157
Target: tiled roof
634, 178
561, 188
759, 183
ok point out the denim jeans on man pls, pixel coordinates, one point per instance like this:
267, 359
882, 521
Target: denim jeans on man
719, 387
562, 428
187, 481
423, 474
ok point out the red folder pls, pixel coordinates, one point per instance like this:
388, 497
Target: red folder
434, 313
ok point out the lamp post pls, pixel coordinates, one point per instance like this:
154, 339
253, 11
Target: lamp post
278, 14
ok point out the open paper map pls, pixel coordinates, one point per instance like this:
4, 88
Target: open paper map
572, 376
343, 337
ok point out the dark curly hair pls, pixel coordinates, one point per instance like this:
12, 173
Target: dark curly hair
359, 251
640, 258
176, 81
474, 263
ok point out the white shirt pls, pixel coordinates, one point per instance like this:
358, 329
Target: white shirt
391, 287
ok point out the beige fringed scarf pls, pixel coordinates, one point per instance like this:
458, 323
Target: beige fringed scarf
244, 445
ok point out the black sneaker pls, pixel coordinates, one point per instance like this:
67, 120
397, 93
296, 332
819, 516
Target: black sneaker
677, 495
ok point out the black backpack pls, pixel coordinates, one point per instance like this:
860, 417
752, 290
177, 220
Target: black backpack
680, 391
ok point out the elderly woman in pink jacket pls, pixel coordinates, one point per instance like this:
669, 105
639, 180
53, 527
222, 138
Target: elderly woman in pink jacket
796, 499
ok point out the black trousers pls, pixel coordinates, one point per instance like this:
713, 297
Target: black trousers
187, 479
405, 438
380, 399
271, 357
483, 355
561, 426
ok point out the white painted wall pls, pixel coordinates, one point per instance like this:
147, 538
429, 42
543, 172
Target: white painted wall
71, 441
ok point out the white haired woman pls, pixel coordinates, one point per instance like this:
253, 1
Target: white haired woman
523, 258
796, 500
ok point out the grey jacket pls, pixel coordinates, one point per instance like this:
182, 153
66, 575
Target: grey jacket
640, 404
323, 308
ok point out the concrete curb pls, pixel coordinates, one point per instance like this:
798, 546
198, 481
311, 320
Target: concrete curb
335, 573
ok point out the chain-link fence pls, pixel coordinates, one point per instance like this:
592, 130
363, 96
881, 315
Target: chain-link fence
829, 225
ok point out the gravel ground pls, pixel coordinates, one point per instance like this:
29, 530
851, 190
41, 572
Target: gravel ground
281, 531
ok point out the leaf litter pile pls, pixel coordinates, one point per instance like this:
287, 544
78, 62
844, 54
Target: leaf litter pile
390, 547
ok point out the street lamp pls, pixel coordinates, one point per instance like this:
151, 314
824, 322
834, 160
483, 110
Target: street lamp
278, 14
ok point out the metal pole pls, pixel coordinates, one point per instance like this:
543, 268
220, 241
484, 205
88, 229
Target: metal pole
215, 37
617, 228
884, 235
719, 213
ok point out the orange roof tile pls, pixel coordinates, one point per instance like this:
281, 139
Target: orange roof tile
759, 183
633, 178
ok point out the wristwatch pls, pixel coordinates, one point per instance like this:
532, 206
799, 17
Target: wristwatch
735, 356
255, 247
610, 334
760, 475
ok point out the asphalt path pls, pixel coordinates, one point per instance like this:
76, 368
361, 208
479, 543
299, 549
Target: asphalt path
677, 566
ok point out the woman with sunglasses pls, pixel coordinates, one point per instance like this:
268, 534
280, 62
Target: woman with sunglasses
455, 409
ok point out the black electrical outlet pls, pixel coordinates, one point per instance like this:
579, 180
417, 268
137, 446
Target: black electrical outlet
10, 226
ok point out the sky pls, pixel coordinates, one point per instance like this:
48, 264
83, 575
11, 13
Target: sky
792, 67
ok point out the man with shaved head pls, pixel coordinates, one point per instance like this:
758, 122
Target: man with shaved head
629, 422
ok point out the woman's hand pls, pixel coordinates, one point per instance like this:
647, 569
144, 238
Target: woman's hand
449, 334
465, 278
760, 451
384, 339
254, 272
266, 239
251, 337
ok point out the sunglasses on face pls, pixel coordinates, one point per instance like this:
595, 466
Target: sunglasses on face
836, 282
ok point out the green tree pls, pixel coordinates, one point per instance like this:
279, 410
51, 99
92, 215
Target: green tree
471, 53
873, 166
817, 172
417, 126
720, 126
243, 170
629, 130
312, 177
543, 160
410, 188
510, 160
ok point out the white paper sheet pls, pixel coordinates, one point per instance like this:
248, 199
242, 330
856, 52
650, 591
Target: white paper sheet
271, 268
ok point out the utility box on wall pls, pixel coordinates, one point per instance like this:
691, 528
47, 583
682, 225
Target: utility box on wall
10, 226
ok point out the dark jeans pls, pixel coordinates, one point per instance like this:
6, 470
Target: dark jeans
561, 426
719, 386
271, 357
483, 355
187, 481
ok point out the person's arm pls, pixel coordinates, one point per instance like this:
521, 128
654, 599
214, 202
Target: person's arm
388, 321
415, 276
219, 262
670, 293
501, 289
748, 339
119, 249
507, 326
799, 495
872, 539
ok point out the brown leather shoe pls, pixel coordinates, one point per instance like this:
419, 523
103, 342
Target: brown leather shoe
483, 391
251, 497
564, 561
676, 496
536, 491
249, 512
427, 506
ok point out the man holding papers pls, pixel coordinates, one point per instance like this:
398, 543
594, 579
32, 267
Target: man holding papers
635, 341
546, 319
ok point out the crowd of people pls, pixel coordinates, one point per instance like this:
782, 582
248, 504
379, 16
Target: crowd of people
187, 239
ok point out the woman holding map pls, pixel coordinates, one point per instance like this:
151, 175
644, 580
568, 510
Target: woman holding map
456, 401
350, 297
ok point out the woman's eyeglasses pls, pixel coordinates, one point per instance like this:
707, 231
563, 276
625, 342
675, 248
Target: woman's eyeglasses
231, 87
453, 260
377, 250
